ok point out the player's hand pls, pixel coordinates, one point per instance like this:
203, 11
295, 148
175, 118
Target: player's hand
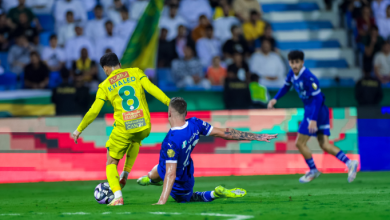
271, 103
312, 127
266, 137
76, 135
159, 203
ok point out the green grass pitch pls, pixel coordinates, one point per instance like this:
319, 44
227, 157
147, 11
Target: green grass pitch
269, 197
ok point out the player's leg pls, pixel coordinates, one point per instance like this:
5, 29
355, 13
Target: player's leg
301, 144
153, 178
218, 192
132, 153
352, 165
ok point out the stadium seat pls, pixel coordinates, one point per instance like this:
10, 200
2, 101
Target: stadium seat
4, 61
347, 82
46, 21
281, 7
327, 82
301, 25
8, 81
54, 80
91, 15
165, 80
44, 38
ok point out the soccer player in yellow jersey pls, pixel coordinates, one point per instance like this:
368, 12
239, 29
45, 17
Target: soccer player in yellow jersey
124, 88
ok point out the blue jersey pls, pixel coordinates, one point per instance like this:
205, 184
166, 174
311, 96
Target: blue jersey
177, 147
307, 86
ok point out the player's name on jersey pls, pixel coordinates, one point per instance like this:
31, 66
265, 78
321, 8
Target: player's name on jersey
119, 80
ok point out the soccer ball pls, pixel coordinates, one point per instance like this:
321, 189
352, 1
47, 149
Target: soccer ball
103, 193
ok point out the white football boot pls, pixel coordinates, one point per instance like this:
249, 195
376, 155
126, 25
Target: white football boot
309, 176
352, 170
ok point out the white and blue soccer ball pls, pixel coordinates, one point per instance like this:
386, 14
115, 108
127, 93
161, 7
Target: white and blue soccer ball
103, 193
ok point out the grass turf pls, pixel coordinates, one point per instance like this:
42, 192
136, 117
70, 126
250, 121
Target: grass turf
269, 197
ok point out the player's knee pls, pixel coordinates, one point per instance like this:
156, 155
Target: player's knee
299, 145
325, 146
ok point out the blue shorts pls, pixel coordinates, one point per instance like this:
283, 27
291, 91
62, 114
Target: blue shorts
322, 123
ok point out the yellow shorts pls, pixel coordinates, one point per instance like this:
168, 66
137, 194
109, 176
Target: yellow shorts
118, 143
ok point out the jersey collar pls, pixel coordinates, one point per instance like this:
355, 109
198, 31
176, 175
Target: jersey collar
300, 73
180, 128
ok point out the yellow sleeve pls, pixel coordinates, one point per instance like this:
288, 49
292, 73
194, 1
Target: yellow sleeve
93, 111
152, 89
246, 31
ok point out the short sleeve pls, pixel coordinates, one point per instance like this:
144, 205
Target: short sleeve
288, 78
204, 127
312, 86
101, 95
377, 59
170, 151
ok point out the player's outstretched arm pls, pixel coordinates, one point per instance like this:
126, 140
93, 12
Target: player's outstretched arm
169, 179
88, 118
233, 134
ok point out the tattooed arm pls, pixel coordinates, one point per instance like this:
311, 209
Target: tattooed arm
233, 134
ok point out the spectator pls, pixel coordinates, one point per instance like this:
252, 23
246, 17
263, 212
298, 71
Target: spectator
126, 27
208, 47
259, 93
379, 8
40, 6
239, 68
62, 7
268, 66
89, 5
368, 90
37, 44
166, 51
86, 68
172, 22
268, 35
218, 12
382, 63
114, 13
19, 54
107, 4
54, 56
94, 29
182, 40
236, 44
74, 45
384, 25
190, 10
236, 93
223, 25
24, 27
244, 8
36, 74
200, 30
67, 30
188, 71
137, 8
216, 73
254, 28
365, 22
372, 44
14, 14
111, 41
5, 32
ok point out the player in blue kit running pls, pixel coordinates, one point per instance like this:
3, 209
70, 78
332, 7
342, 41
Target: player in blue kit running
316, 118
175, 170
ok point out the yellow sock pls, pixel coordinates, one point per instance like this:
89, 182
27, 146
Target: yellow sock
113, 177
131, 155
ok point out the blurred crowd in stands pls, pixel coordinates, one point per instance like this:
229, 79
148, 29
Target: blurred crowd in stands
205, 43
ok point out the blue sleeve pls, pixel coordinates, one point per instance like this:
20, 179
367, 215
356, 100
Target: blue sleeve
170, 152
313, 90
204, 127
286, 87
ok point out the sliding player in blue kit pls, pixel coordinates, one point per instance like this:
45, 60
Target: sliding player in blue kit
175, 170
316, 118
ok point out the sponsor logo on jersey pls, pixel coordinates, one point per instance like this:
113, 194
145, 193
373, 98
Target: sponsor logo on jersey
133, 115
118, 77
137, 123
171, 153
314, 85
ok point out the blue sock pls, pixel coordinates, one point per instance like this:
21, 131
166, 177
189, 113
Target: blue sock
311, 164
342, 157
202, 196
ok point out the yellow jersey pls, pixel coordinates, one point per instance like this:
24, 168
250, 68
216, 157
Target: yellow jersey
124, 88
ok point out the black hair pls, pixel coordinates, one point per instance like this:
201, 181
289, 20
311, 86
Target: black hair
254, 12
296, 55
374, 27
209, 27
108, 22
233, 27
254, 77
109, 59
98, 7
124, 9
34, 53
69, 13
53, 36
179, 104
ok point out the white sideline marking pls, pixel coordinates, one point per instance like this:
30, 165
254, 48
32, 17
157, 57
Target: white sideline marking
12, 214
234, 217
76, 213
165, 213
123, 213
106, 213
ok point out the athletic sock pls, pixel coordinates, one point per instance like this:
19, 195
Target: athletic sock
311, 164
124, 174
214, 195
203, 196
113, 178
118, 194
343, 158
